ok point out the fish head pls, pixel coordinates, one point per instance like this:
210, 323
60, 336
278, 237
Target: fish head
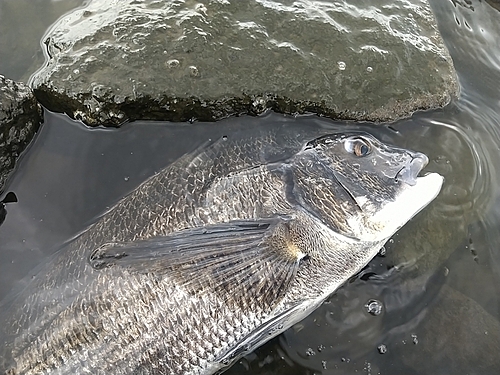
380, 182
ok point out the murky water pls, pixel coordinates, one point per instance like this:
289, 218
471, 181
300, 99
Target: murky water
438, 284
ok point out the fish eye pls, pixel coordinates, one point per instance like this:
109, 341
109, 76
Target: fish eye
358, 146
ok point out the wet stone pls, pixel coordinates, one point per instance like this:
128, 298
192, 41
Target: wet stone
109, 62
469, 345
20, 118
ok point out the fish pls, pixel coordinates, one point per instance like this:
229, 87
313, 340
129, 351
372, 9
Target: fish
214, 255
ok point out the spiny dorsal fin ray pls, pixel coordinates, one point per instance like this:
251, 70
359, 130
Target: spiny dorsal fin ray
243, 261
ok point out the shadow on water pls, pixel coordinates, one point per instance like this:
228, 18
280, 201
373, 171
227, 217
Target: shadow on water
437, 284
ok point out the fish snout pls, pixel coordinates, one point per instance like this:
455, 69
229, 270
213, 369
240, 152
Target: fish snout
410, 171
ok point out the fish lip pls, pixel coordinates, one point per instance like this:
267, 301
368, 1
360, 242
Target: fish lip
409, 172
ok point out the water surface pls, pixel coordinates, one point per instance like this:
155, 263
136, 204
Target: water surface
22, 24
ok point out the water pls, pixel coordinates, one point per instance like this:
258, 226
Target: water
22, 24
439, 281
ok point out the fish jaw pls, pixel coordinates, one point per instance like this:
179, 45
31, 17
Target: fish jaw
412, 199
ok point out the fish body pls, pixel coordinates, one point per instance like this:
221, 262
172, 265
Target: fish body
213, 256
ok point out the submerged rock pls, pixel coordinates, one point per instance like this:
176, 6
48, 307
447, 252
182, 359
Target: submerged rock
20, 118
471, 346
109, 62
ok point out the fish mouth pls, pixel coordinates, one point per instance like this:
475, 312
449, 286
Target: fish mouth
409, 173
409, 203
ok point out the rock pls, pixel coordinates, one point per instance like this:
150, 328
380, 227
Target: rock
109, 62
470, 345
20, 118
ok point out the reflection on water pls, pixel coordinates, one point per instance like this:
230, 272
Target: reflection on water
439, 281
22, 23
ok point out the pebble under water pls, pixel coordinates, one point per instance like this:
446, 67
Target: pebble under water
436, 289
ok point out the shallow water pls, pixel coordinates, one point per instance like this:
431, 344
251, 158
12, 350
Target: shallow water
439, 282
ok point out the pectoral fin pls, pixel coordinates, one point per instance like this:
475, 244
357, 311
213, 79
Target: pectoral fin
247, 261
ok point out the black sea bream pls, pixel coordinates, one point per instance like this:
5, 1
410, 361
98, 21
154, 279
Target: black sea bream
213, 256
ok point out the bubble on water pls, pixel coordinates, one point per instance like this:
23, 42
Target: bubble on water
201, 8
341, 65
368, 367
310, 352
414, 338
173, 63
346, 360
224, 137
193, 71
320, 348
374, 307
369, 69
382, 252
323, 364
391, 241
382, 349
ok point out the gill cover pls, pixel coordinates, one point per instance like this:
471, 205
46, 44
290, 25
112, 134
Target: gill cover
360, 187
